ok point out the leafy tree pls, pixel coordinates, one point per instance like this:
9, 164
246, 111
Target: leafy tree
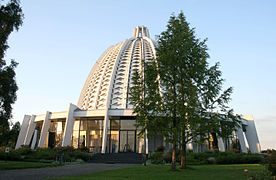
144, 95
178, 95
182, 62
13, 134
192, 90
10, 19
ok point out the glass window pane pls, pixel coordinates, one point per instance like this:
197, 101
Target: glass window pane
76, 125
95, 144
75, 139
113, 142
115, 124
128, 124
94, 124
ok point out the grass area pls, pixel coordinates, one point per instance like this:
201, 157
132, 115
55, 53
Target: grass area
205, 172
5, 165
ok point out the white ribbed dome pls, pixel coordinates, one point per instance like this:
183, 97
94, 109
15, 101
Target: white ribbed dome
107, 85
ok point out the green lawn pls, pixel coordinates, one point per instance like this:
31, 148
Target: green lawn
4, 165
202, 172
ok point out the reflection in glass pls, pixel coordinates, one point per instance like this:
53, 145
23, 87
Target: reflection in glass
87, 133
128, 125
127, 141
113, 142
95, 141
75, 135
115, 124
55, 134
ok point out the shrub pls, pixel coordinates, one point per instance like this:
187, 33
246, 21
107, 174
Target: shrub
14, 156
24, 151
157, 158
3, 155
45, 154
167, 157
233, 158
160, 149
272, 163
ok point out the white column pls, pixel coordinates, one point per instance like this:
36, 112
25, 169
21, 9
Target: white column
23, 131
251, 135
189, 146
147, 142
34, 139
239, 132
105, 128
45, 129
30, 131
220, 144
69, 125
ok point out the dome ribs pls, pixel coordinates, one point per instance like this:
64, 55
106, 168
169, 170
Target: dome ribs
109, 80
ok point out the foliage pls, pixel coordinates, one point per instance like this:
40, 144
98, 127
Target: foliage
157, 158
13, 134
270, 160
236, 158
45, 154
209, 157
11, 17
160, 149
177, 93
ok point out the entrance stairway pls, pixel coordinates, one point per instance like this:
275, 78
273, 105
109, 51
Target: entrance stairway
124, 158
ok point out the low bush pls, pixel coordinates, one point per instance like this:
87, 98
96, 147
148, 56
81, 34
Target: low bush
236, 158
167, 157
271, 159
45, 154
211, 157
157, 158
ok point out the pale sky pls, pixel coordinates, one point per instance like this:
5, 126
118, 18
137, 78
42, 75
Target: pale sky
60, 41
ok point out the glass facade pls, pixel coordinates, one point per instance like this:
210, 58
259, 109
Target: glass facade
88, 133
55, 135
123, 136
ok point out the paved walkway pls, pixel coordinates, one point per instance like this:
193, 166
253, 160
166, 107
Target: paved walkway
51, 172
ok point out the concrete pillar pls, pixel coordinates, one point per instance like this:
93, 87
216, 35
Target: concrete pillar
34, 139
30, 131
69, 125
239, 132
105, 131
251, 135
147, 142
45, 129
23, 131
220, 144
189, 146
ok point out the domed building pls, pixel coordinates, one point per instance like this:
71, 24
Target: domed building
103, 121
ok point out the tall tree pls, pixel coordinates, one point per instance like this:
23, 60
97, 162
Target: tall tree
182, 62
192, 90
13, 134
145, 98
177, 94
11, 17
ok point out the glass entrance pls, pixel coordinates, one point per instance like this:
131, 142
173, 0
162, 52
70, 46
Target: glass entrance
127, 141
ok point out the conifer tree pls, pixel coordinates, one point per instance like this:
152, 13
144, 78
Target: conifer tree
178, 94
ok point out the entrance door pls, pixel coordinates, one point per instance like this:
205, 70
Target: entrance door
127, 141
52, 140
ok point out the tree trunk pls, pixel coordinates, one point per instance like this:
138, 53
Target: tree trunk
183, 157
173, 155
